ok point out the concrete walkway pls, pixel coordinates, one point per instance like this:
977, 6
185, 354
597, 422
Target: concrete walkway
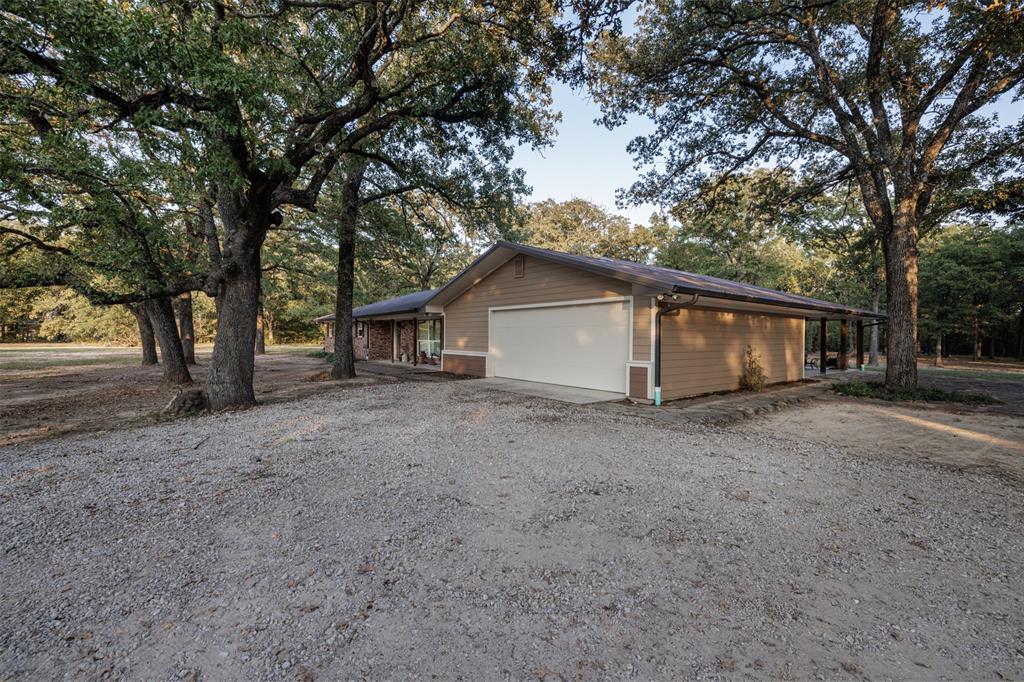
567, 394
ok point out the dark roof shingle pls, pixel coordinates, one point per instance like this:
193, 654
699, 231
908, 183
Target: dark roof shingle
407, 303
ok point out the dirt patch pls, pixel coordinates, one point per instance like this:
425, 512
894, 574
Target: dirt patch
422, 530
965, 439
43, 400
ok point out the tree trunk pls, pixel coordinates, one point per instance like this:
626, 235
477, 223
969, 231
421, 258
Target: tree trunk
873, 343
1020, 333
344, 366
161, 313
246, 220
268, 325
938, 349
229, 383
261, 340
146, 338
901, 294
186, 326
977, 339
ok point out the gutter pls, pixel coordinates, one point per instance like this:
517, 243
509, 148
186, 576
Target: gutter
842, 312
663, 309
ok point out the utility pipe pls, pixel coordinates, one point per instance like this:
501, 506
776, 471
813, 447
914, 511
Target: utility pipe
664, 309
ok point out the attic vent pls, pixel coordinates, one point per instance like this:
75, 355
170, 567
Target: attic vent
520, 265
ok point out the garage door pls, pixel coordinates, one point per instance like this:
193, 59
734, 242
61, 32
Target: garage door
573, 345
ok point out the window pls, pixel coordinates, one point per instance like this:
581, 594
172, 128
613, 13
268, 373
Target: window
519, 266
360, 329
428, 338
330, 329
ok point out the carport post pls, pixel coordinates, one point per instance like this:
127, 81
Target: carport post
860, 345
415, 343
823, 353
843, 362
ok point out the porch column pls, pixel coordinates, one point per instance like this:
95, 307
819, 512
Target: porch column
823, 354
415, 342
860, 345
394, 340
844, 341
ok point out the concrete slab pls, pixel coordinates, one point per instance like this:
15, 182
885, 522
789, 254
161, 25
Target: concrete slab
567, 394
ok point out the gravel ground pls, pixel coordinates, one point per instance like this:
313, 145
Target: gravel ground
424, 529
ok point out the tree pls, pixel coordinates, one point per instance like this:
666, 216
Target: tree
889, 95
146, 338
270, 95
834, 224
581, 227
737, 231
410, 243
971, 284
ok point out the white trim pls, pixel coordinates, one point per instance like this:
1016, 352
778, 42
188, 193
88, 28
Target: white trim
560, 304
631, 332
474, 353
654, 319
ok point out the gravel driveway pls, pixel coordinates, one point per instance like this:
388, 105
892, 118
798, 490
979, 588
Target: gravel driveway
410, 530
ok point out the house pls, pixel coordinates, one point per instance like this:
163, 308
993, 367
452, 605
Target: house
648, 332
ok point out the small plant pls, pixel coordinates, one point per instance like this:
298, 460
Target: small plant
867, 389
753, 378
326, 355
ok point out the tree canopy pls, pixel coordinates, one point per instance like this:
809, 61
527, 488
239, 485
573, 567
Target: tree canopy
889, 95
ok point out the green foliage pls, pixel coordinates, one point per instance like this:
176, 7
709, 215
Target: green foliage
68, 316
298, 285
753, 376
581, 227
971, 275
16, 324
867, 389
411, 243
327, 356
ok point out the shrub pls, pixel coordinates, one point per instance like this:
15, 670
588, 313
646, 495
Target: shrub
867, 389
326, 355
753, 378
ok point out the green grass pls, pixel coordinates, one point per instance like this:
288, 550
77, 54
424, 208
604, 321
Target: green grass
965, 373
865, 389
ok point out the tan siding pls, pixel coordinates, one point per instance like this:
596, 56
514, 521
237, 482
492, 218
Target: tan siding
642, 328
465, 318
703, 350
638, 382
472, 365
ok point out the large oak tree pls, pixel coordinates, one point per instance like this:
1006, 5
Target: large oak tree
887, 93
271, 96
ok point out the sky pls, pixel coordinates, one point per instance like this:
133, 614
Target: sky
590, 162
587, 160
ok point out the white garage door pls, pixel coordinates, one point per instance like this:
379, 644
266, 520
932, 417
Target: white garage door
572, 345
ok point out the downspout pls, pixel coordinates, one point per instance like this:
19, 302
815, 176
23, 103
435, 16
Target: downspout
662, 310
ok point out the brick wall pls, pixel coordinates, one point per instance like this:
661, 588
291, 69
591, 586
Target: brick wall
380, 340
406, 339
378, 336
358, 344
328, 337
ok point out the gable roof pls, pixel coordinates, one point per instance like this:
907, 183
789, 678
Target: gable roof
652, 276
656, 278
399, 305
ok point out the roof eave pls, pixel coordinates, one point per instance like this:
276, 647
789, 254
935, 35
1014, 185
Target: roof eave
840, 311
